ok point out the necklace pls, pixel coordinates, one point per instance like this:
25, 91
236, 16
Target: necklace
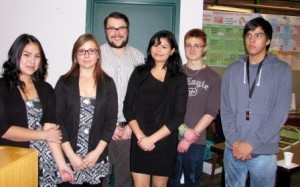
191, 75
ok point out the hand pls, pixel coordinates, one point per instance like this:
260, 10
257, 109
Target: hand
118, 134
52, 133
241, 150
77, 162
235, 145
191, 135
48, 126
127, 133
66, 174
146, 143
140, 136
91, 159
183, 146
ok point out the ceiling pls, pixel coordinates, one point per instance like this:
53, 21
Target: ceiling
279, 7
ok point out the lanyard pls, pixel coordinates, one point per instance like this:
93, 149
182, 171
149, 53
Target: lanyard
251, 89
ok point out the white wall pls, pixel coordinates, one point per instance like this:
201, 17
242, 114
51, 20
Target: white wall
191, 14
58, 23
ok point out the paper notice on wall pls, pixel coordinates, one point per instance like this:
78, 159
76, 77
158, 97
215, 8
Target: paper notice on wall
225, 37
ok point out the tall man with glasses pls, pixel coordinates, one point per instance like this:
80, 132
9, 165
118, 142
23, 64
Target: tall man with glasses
118, 61
255, 100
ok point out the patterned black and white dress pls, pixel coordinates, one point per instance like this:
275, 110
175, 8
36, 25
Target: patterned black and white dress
47, 166
90, 175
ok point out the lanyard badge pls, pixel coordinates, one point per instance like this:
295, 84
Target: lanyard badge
252, 87
248, 111
247, 115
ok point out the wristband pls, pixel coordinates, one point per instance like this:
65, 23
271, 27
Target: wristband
182, 128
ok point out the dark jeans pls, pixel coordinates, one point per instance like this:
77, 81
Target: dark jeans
190, 164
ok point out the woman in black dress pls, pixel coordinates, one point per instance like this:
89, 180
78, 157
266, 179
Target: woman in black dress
154, 106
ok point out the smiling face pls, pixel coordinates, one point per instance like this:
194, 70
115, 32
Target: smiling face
88, 55
30, 60
161, 51
256, 42
116, 32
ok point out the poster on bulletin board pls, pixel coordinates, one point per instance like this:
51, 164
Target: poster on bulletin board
225, 37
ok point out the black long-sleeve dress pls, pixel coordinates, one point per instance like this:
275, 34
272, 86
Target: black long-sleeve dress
154, 104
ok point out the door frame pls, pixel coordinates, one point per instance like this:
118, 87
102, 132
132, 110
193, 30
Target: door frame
175, 4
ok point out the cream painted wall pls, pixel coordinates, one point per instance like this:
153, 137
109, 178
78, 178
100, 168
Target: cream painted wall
191, 14
58, 23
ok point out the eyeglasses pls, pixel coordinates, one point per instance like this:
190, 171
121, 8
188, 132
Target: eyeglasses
91, 51
196, 46
121, 29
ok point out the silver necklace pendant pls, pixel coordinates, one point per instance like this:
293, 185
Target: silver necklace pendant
191, 75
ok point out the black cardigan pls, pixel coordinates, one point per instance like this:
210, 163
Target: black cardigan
13, 108
173, 108
105, 114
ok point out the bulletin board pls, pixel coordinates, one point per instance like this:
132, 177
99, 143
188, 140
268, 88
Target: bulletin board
225, 41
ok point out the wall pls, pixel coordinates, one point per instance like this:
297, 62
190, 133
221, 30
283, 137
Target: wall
58, 23
190, 17
279, 7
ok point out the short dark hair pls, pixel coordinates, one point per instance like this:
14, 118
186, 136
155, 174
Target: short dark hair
259, 22
11, 67
117, 15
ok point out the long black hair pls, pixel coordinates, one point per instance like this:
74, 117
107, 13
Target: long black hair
174, 62
11, 67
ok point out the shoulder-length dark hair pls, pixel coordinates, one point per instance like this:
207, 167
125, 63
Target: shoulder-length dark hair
98, 72
174, 62
11, 67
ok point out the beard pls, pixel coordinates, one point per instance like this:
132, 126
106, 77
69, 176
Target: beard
113, 45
